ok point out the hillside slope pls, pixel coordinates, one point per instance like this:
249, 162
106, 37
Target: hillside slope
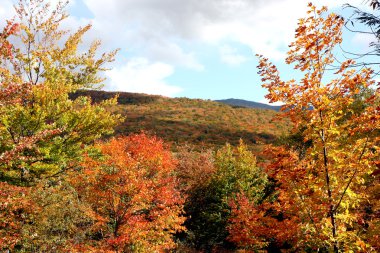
198, 122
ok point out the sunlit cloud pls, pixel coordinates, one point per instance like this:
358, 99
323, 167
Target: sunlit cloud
141, 76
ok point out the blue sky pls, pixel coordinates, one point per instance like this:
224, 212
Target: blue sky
193, 48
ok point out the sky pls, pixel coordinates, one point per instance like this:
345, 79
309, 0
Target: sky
193, 48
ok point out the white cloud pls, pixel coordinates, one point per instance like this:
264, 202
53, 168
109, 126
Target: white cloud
266, 101
166, 30
146, 27
141, 76
171, 33
231, 56
159, 29
174, 54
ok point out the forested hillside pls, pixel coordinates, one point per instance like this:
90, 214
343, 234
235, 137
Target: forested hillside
194, 121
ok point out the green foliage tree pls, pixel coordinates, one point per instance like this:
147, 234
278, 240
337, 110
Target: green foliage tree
208, 207
42, 131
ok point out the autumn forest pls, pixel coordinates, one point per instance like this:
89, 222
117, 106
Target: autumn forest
84, 170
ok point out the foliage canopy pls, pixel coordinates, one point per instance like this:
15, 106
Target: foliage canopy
42, 131
322, 192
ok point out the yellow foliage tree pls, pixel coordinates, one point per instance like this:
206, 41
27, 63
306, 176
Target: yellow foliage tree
42, 131
321, 192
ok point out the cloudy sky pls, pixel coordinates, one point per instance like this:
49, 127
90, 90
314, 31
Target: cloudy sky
193, 48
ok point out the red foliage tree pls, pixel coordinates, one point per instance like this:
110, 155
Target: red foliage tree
15, 210
132, 191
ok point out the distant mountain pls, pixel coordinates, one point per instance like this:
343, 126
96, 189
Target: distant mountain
248, 104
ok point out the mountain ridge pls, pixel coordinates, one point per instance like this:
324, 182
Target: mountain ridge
248, 104
138, 98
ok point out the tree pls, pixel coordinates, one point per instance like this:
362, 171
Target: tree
273, 223
42, 131
325, 187
194, 169
60, 221
15, 211
133, 195
208, 208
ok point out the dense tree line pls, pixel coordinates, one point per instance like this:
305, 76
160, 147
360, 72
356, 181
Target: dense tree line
66, 185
